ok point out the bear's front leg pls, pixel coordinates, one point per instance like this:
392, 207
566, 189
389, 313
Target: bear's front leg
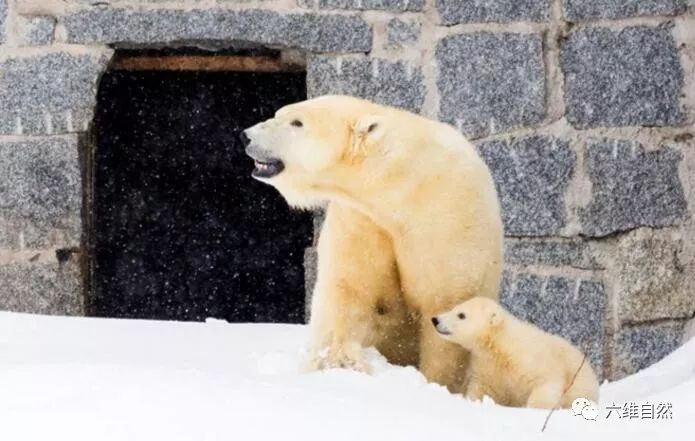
357, 280
475, 390
339, 342
441, 361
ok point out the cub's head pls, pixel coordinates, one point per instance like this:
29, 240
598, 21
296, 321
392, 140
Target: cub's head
305, 149
470, 322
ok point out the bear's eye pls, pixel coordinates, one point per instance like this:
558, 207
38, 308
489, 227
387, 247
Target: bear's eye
461, 315
296, 123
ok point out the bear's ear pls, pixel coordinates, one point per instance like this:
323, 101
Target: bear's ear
365, 132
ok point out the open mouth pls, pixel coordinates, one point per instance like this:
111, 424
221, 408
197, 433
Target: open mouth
267, 168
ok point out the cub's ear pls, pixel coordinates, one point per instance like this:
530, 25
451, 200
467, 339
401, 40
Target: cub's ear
495, 319
365, 132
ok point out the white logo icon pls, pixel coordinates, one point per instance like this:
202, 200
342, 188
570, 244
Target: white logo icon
585, 408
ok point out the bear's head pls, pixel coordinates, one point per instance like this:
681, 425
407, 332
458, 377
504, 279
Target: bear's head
471, 322
309, 150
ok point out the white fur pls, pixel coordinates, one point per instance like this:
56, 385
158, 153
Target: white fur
412, 227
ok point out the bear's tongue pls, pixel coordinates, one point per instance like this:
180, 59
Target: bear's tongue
267, 169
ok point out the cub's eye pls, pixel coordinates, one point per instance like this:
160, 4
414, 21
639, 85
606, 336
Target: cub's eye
461, 315
296, 123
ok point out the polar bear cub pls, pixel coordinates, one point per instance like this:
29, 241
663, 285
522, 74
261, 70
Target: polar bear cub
513, 362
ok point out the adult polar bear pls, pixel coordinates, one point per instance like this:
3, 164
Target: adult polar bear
412, 227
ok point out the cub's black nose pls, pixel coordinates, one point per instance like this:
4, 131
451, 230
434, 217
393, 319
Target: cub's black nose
244, 138
435, 321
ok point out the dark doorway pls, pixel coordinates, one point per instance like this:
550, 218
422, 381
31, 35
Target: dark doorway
180, 230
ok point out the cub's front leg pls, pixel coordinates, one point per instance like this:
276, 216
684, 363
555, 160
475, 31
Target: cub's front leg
546, 395
357, 282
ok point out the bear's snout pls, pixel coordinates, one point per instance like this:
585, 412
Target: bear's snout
245, 140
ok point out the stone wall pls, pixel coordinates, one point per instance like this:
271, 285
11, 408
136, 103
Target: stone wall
584, 110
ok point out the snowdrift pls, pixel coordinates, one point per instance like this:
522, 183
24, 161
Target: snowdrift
103, 379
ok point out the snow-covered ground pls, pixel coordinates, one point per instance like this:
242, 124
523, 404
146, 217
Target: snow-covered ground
97, 379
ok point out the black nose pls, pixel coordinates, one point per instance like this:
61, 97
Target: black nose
435, 321
244, 138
